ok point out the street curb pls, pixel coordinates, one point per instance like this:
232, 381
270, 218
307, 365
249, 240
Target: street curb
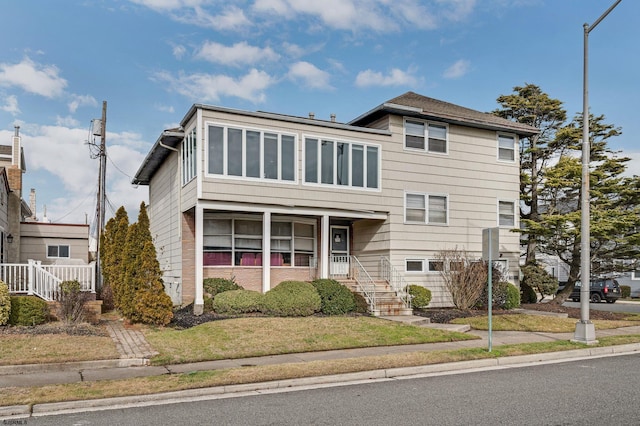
68, 366
348, 378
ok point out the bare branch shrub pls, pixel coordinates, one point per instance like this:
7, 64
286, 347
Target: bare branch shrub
464, 276
72, 300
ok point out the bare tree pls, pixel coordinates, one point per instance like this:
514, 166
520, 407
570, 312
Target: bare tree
464, 276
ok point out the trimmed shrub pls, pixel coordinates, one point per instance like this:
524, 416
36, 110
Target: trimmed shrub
513, 297
71, 302
28, 310
335, 299
362, 307
292, 299
208, 303
536, 277
624, 289
237, 302
420, 296
499, 293
5, 303
527, 294
214, 286
153, 306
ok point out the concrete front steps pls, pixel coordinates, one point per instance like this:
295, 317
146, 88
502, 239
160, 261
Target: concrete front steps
388, 303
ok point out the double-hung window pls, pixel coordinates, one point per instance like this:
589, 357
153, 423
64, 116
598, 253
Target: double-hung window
238, 152
506, 147
348, 164
506, 213
429, 137
426, 208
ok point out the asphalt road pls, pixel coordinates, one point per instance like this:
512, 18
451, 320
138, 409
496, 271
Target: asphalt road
609, 307
585, 392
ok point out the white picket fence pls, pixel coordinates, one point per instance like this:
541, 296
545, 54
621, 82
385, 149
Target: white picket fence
33, 278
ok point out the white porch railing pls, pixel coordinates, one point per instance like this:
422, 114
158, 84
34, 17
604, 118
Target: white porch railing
365, 283
33, 278
395, 280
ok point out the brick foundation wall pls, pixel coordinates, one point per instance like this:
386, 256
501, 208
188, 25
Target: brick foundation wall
251, 278
92, 310
188, 257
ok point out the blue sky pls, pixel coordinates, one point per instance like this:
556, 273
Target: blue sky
152, 59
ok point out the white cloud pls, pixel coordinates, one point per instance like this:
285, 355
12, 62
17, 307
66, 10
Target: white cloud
457, 70
165, 108
11, 105
396, 77
179, 51
212, 87
633, 166
239, 54
194, 12
49, 152
34, 78
67, 121
309, 75
81, 100
293, 50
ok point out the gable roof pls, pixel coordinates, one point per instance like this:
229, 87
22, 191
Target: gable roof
412, 104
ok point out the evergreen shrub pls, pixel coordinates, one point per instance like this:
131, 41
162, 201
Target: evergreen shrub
335, 299
28, 310
5, 303
153, 306
292, 299
362, 307
420, 296
237, 302
214, 286
527, 294
624, 289
513, 297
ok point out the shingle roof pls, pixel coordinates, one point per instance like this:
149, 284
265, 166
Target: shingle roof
415, 105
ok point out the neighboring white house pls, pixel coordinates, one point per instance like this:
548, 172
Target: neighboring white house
265, 197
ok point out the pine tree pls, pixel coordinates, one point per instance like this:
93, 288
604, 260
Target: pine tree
111, 243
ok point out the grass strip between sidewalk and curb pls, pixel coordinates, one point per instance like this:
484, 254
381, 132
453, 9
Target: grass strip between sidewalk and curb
536, 323
257, 374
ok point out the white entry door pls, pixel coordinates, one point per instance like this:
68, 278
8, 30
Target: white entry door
340, 251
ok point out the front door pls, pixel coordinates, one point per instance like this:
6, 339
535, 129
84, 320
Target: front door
340, 251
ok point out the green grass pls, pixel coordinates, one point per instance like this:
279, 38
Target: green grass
535, 323
250, 337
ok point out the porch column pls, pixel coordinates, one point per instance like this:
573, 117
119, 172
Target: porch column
266, 251
198, 305
324, 247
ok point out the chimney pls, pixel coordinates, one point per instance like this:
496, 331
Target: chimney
32, 203
333, 117
312, 115
15, 150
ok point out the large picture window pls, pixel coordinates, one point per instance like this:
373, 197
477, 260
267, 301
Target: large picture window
423, 136
245, 153
238, 242
341, 163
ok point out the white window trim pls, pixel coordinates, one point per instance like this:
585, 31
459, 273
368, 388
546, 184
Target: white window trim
635, 277
245, 129
188, 155
426, 206
515, 147
336, 141
58, 245
515, 213
426, 136
413, 259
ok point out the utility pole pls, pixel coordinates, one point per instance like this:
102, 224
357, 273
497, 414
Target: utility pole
102, 193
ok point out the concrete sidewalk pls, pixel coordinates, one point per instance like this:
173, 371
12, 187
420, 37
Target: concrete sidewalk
135, 353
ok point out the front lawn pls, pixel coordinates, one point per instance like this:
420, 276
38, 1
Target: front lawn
249, 337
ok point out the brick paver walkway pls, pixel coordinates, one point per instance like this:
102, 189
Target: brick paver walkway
129, 342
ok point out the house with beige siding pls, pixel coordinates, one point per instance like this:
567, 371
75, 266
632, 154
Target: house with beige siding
54, 243
264, 197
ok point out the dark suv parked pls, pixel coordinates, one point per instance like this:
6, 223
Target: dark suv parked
601, 289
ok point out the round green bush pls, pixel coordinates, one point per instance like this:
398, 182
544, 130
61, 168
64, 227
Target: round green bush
362, 307
335, 299
213, 286
237, 302
527, 294
292, 299
5, 303
420, 296
28, 310
625, 290
513, 297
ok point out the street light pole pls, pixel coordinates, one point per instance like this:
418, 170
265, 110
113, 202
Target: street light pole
585, 329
